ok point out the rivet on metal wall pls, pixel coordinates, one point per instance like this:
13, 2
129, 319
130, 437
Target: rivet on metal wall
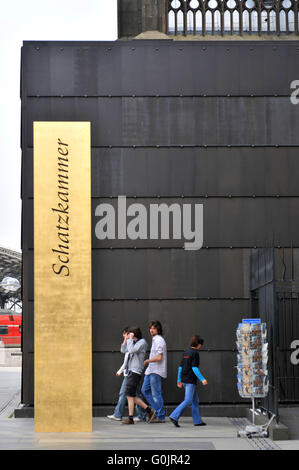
37, 48
253, 195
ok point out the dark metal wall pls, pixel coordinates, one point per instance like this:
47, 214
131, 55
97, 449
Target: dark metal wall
172, 121
275, 293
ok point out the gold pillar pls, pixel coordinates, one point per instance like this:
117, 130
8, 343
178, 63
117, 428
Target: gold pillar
62, 277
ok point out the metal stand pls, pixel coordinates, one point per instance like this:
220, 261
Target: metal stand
253, 430
253, 409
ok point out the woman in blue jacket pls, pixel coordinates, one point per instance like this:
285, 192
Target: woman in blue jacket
188, 374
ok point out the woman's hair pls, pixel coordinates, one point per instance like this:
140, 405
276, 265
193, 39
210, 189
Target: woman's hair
137, 332
157, 325
196, 340
125, 329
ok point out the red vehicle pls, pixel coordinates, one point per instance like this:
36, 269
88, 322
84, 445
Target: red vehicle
10, 328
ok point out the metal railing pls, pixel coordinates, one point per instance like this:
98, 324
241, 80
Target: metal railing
234, 17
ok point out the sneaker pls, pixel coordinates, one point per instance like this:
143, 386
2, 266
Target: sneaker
174, 422
151, 415
201, 424
157, 420
113, 417
127, 421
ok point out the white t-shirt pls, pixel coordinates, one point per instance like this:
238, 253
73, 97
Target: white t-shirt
158, 347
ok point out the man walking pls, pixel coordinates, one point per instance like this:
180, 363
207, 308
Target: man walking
156, 370
122, 400
136, 346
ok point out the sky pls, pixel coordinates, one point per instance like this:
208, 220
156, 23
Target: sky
48, 20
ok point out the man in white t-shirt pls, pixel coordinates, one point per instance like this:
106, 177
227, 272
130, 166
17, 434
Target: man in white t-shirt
156, 370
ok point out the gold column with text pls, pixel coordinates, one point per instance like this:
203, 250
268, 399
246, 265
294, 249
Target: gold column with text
62, 277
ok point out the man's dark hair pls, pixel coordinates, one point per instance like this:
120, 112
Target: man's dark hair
157, 325
195, 341
136, 330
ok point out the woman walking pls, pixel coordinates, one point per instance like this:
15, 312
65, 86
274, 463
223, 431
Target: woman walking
188, 373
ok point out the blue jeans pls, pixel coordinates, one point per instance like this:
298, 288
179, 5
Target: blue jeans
152, 391
191, 399
122, 401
